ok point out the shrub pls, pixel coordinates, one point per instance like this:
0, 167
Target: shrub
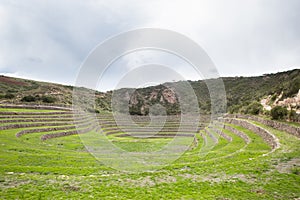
48, 99
279, 112
93, 110
9, 96
28, 98
292, 115
233, 109
296, 170
254, 108
274, 97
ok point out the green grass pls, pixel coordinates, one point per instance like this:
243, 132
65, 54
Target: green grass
62, 168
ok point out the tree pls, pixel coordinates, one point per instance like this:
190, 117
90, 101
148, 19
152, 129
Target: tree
254, 108
279, 112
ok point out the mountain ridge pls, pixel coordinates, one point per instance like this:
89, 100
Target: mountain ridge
240, 93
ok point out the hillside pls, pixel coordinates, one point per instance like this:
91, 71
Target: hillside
23, 91
52, 152
269, 90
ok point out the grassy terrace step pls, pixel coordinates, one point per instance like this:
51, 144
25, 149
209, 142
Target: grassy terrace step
220, 132
35, 113
35, 107
237, 132
34, 120
56, 128
39, 124
150, 129
158, 135
30, 111
113, 131
267, 136
68, 133
255, 143
9, 116
223, 147
45, 129
292, 129
212, 135
30, 120
25, 125
231, 152
208, 142
167, 124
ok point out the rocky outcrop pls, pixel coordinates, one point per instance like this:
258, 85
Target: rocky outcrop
141, 100
154, 95
169, 96
290, 102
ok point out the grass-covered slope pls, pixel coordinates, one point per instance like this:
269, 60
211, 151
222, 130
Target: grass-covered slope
244, 159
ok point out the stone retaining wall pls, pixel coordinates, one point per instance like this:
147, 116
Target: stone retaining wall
38, 107
267, 136
274, 124
35, 113
15, 126
23, 132
226, 137
238, 133
67, 133
211, 136
35, 120
34, 116
156, 135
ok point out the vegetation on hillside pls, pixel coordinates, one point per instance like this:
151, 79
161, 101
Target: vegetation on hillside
243, 94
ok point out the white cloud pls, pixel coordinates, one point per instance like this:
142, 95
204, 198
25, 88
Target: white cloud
49, 40
242, 37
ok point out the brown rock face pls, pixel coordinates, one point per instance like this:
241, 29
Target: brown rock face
153, 95
141, 101
169, 95
134, 99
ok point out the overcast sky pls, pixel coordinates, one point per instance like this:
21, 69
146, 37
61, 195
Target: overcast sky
49, 40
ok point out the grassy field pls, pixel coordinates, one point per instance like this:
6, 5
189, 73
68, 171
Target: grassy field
213, 168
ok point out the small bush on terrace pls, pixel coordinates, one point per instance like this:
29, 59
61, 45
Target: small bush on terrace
279, 112
254, 108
